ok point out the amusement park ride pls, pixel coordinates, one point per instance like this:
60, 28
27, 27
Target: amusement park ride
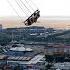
33, 17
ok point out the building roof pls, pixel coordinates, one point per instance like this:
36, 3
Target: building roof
65, 66
18, 58
36, 59
27, 60
20, 49
28, 49
66, 46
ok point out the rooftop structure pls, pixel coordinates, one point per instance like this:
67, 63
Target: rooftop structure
23, 56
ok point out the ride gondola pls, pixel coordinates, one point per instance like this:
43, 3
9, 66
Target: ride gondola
33, 18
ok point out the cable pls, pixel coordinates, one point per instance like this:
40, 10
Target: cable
13, 7
21, 8
25, 6
15, 10
29, 5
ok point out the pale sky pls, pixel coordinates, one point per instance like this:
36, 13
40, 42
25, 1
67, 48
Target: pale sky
47, 7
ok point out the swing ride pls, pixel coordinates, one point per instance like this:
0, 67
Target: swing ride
34, 14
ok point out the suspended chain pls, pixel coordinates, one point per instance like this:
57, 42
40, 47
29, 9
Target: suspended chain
13, 8
25, 6
29, 5
21, 8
